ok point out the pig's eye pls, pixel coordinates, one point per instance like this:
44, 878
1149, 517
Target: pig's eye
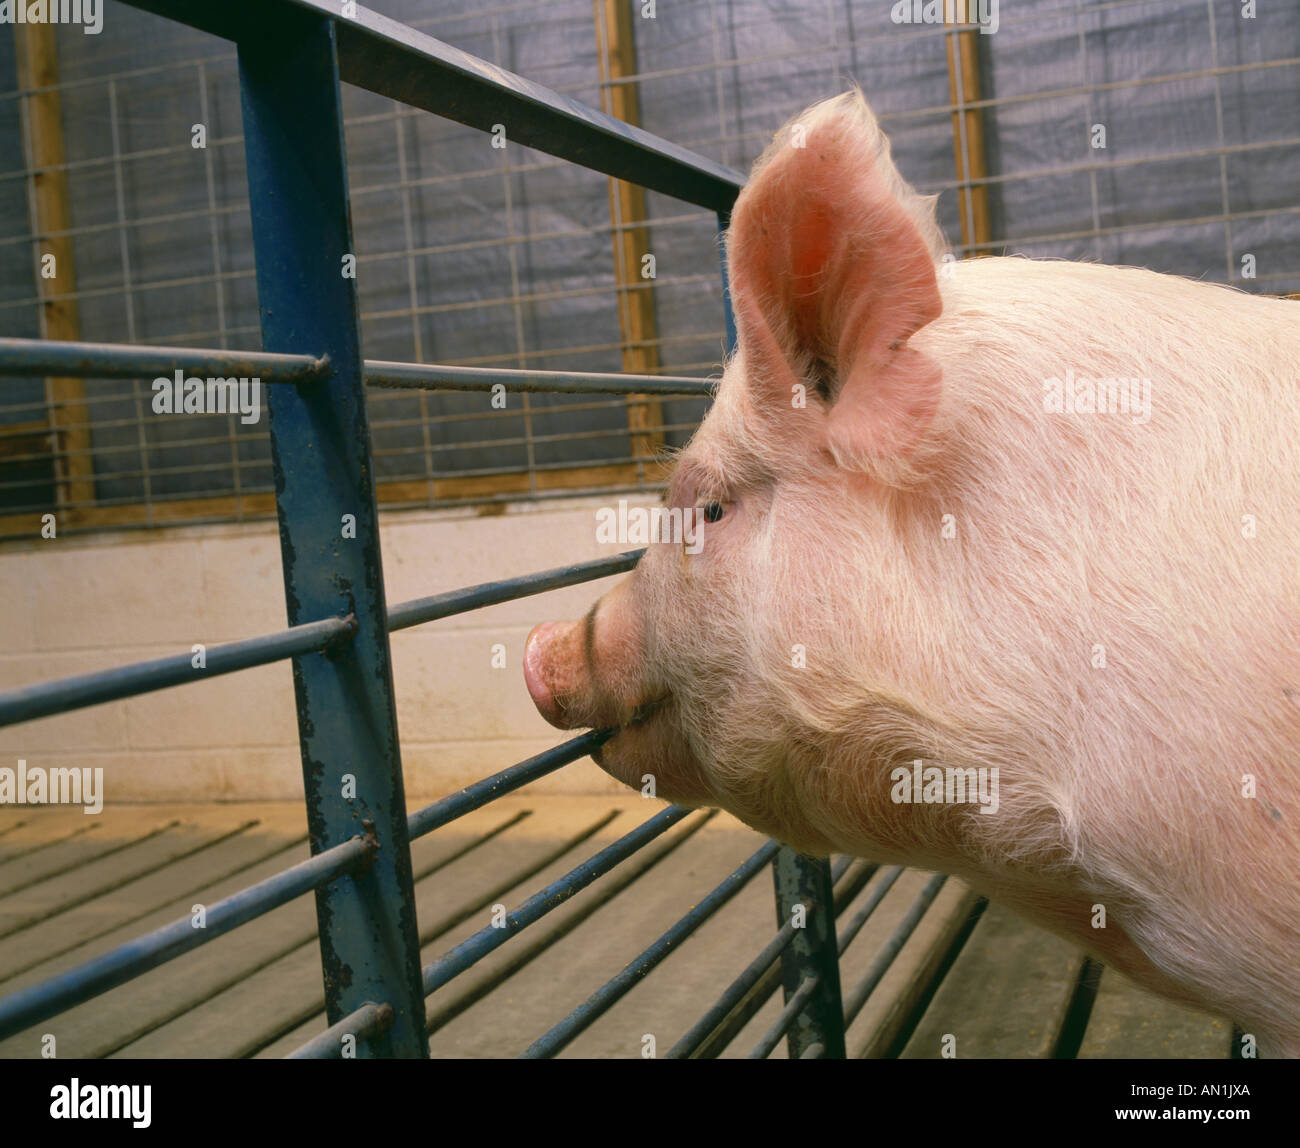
713, 511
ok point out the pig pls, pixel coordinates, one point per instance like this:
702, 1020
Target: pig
935, 532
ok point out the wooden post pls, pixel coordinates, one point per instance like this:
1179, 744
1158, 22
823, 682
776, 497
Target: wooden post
964, 89
636, 306
42, 119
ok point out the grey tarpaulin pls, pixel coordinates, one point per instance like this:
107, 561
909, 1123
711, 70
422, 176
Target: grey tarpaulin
470, 254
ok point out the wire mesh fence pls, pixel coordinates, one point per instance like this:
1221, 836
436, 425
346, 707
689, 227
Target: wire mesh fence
1153, 132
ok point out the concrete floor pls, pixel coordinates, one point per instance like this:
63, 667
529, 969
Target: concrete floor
73, 886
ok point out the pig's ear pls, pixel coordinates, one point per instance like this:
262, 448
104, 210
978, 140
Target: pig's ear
832, 261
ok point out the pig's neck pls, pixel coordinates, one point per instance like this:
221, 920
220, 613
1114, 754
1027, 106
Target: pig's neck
1018, 857
1015, 855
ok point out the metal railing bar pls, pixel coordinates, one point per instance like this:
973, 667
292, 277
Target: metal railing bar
376, 398
75, 940
132, 361
804, 993
928, 188
369, 1020
444, 1007
662, 341
41, 1001
557, 849
295, 942
845, 891
439, 378
734, 993
29, 702
478, 12
34, 357
604, 998
404, 64
476, 91
445, 811
413, 613
770, 1039
92, 891
854, 927
890, 949
918, 34
1021, 20
725, 1022
906, 1014
473, 949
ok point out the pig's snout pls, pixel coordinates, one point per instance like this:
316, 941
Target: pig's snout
594, 673
591, 672
552, 656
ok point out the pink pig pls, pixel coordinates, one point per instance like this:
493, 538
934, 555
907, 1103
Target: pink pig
1041, 518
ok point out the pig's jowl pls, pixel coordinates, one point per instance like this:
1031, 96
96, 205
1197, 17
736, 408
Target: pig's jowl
934, 531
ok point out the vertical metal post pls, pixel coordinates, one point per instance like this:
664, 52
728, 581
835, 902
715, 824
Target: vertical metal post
806, 881
325, 496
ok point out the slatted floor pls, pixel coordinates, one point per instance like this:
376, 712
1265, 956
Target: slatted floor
73, 886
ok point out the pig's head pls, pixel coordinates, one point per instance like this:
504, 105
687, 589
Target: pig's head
908, 555
750, 675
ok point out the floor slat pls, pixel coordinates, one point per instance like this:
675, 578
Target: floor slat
1128, 1023
1005, 996
71, 890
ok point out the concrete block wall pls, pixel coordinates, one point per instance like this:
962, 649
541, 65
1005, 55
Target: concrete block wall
82, 603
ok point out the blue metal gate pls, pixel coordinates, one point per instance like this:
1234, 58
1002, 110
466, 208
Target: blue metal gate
292, 56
